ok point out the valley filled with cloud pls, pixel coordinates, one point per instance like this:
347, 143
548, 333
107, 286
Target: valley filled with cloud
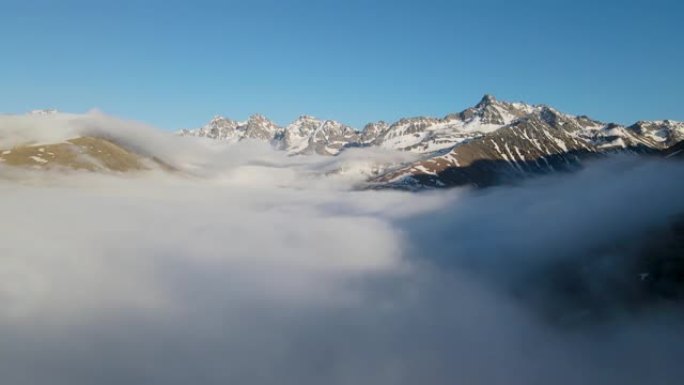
235, 263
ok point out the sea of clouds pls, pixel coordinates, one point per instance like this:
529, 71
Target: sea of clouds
246, 266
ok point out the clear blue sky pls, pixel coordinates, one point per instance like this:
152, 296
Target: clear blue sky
176, 63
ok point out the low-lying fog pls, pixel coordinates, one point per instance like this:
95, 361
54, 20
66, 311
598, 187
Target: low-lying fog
251, 267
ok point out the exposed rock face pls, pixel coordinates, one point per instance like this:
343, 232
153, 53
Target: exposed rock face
659, 134
295, 137
258, 127
308, 135
527, 146
221, 128
371, 133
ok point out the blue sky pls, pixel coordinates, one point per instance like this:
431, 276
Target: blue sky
176, 64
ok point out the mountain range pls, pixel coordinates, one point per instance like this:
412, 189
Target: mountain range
488, 143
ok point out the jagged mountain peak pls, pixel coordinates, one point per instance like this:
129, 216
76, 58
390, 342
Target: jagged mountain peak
306, 118
220, 118
258, 118
486, 100
665, 122
372, 131
379, 125
311, 119
664, 132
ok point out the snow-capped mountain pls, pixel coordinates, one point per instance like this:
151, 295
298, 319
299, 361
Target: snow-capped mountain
221, 128
307, 135
479, 145
660, 134
528, 145
425, 134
